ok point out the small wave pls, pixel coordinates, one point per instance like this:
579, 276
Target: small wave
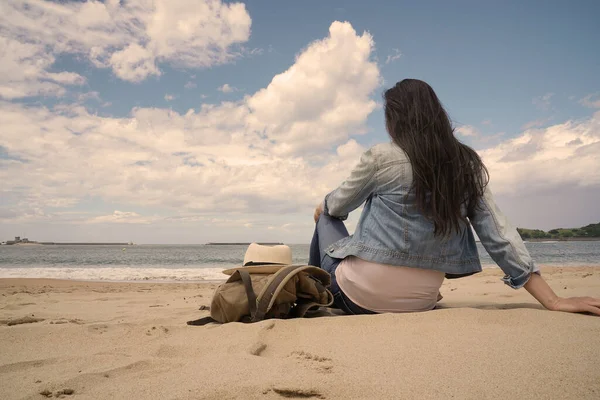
118, 274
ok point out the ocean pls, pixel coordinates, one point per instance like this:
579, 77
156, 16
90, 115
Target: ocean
202, 262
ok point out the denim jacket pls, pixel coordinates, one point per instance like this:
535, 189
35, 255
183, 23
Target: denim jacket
392, 230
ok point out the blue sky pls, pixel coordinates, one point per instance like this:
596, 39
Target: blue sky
118, 131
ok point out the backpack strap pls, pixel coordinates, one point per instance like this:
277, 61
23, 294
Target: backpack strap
203, 321
273, 286
245, 276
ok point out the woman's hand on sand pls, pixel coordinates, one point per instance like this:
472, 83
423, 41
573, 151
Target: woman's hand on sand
577, 305
318, 211
539, 289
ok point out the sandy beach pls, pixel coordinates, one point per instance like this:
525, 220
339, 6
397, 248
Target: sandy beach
95, 340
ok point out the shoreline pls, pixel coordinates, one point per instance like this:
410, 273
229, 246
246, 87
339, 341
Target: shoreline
127, 274
550, 270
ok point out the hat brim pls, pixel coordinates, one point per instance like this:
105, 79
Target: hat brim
257, 269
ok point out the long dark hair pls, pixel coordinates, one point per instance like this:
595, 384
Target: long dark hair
447, 174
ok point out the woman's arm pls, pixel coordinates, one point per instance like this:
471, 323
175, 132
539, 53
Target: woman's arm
543, 293
505, 246
502, 241
353, 191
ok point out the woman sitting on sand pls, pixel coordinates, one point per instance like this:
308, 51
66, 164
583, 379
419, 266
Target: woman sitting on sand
421, 194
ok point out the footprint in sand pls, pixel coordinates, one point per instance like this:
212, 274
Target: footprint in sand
155, 330
270, 325
322, 364
98, 328
59, 393
19, 321
170, 351
295, 393
131, 369
26, 365
259, 347
67, 321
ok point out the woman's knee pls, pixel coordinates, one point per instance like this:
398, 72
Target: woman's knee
326, 219
326, 222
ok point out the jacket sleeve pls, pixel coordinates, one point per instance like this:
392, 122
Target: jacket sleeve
502, 242
353, 191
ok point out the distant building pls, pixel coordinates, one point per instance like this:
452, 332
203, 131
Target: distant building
17, 239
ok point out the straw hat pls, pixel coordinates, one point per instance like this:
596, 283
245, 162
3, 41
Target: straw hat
265, 259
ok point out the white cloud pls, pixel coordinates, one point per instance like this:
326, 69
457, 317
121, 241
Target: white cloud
322, 98
395, 55
121, 217
65, 78
475, 138
291, 227
23, 71
190, 85
543, 102
467, 131
134, 63
536, 123
226, 88
552, 157
195, 33
591, 100
132, 38
548, 158
89, 96
350, 150
254, 52
170, 97
267, 153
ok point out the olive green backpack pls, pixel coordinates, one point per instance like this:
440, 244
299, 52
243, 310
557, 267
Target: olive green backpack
258, 292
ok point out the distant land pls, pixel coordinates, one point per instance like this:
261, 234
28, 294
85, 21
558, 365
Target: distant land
25, 241
86, 244
585, 233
